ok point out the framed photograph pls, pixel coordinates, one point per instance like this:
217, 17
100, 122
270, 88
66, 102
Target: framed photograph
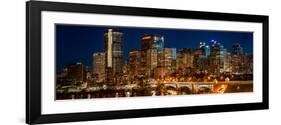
95, 62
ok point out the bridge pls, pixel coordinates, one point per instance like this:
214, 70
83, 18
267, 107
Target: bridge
212, 83
216, 87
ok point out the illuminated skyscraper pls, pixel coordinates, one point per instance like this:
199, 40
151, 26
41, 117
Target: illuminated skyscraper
114, 50
200, 61
151, 60
169, 59
185, 58
152, 42
152, 52
227, 61
206, 48
237, 58
169, 56
217, 58
134, 63
99, 65
201, 56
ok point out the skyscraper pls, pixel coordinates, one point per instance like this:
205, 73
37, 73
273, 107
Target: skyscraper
99, 65
237, 58
169, 56
152, 52
217, 58
114, 51
134, 63
237, 49
185, 58
151, 60
201, 56
149, 41
169, 59
206, 48
200, 60
227, 61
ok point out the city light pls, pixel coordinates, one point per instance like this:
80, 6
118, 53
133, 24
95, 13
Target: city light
156, 70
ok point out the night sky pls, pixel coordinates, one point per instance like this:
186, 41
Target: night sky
77, 43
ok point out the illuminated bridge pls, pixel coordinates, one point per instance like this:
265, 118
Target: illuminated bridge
215, 87
208, 83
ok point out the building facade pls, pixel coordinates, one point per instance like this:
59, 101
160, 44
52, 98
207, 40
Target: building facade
134, 63
185, 58
99, 66
152, 53
76, 72
237, 58
216, 58
113, 53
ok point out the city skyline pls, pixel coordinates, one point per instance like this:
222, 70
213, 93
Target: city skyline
131, 62
77, 43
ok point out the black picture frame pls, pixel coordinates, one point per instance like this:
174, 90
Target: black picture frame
33, 61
